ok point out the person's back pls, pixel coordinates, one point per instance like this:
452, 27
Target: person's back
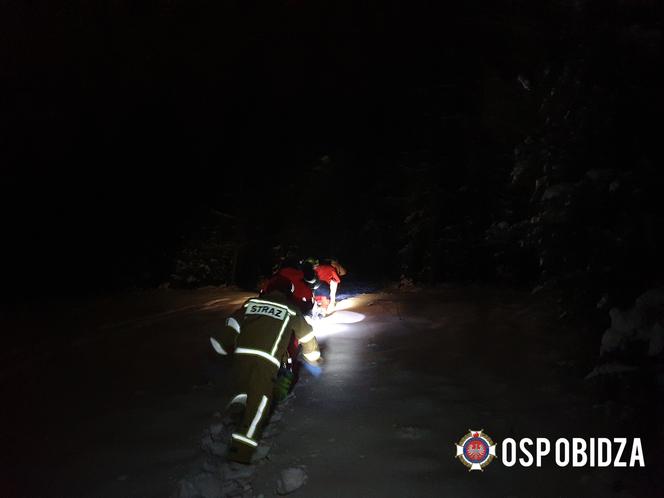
265, 322
327, 273
302, 292
259, 333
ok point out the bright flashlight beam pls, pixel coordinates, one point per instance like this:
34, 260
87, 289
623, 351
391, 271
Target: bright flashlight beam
341, 316
336, 323
346, 303
324, 329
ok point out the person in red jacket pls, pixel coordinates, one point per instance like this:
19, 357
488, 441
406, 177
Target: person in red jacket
302, 292
326, 293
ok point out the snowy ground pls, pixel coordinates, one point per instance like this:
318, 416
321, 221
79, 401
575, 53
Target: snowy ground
115, 398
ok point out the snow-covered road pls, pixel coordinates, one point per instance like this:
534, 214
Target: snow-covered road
408, 380
118, 408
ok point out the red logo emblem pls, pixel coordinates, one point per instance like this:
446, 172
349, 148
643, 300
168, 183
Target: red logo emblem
476, 450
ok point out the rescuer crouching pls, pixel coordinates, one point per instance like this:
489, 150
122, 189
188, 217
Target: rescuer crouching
258, 334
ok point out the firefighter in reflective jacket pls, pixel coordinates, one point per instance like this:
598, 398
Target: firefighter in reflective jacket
258, 334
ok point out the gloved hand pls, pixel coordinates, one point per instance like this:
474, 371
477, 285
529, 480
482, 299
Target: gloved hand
314, 370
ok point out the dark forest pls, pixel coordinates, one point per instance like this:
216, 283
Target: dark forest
167, 146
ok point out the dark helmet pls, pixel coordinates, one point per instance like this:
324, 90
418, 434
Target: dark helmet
311, 260
313, 283
310, 275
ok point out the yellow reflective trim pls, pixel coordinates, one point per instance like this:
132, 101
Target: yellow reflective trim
240, 398
307, 338
258, 352
244, 439
233, 323
217, 347
257, 417
313, 356
281, 332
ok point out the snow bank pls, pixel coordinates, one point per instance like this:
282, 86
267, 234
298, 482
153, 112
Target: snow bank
290, 480
644, 323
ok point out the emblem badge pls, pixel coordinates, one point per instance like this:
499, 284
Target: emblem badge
476, 450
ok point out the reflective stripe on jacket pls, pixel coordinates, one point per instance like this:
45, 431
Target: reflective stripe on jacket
265, 326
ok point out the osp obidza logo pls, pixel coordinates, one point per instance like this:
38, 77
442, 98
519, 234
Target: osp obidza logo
476, 450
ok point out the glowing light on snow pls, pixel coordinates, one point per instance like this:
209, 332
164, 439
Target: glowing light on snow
215, 303
222, 303
337, 322
351, 302
326, 329
345, 317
